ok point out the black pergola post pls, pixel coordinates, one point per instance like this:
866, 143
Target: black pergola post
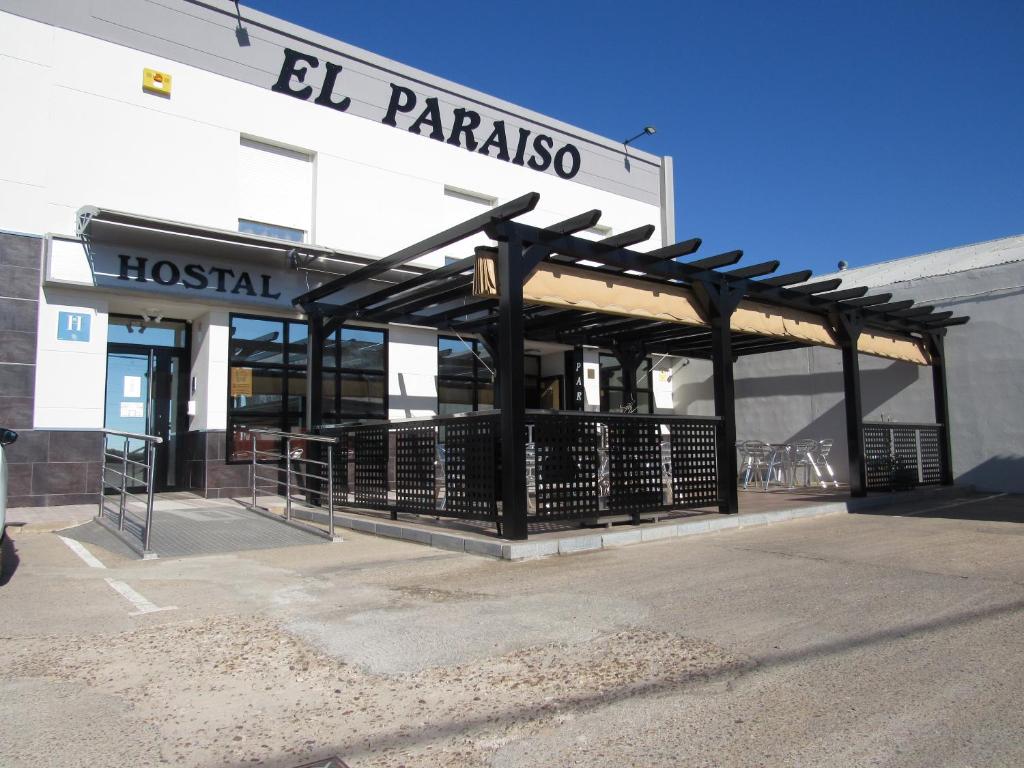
938, 349
511, 399
313, 416
848, 328
629, 358
719, 301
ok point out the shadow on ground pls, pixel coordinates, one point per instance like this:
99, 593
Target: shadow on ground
10, 560
996, 508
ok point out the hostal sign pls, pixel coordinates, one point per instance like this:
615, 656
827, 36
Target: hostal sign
466, 128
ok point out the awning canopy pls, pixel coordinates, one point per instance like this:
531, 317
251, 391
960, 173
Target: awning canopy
103, 225
603, 293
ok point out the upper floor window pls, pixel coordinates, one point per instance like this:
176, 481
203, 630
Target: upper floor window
275, 190
271, 230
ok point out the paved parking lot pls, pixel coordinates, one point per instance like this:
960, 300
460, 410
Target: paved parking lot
873, 639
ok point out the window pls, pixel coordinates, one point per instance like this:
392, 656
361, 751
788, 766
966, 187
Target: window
613, 391
266, 378
464, 378
122, 329
355, 381
275, 190
271, 230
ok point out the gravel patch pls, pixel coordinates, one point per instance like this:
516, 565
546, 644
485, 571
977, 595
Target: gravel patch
245, 691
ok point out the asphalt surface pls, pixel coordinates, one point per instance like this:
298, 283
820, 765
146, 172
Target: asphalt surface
886, 639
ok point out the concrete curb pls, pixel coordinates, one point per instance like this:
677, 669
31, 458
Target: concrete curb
590, 540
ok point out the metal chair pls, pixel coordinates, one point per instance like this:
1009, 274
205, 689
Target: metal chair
821, 454
778, 463
756, 461
802, 457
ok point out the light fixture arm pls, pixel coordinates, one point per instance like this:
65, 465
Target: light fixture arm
648, 130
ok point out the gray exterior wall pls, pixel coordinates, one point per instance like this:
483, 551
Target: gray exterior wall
799, 393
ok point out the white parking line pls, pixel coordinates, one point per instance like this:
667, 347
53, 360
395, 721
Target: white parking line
89, 558
141, 604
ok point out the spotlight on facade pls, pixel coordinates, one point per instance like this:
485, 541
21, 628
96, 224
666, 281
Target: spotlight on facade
649, 130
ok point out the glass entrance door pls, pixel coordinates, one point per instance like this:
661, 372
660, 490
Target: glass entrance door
146, 395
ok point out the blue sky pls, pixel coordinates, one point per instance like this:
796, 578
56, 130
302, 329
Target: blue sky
802, 131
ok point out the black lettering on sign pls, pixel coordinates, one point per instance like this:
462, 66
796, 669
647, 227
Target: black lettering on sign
466, 121
196, 273
333, 70
402, 100
290, 69
139, 267
166, 273
566, 158
193, 277
497, 139
431, 116
265, 293
244, 284
567, 151
542, 157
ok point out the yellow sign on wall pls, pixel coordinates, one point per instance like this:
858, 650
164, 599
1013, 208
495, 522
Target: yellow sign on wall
241, 382
156, 82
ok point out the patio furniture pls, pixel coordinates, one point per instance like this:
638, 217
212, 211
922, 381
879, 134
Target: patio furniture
756, 464
802, 457
821, 455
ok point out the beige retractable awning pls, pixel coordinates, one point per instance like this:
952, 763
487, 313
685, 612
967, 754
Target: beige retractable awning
570, 287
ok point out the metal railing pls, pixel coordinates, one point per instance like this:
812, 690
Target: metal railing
902, 455
130, 474
302, 473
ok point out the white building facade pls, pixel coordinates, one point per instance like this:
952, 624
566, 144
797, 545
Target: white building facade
234, 161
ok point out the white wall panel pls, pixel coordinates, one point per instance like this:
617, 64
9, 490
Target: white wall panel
70, 375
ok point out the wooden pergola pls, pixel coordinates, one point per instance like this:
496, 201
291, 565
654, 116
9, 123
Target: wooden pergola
548, 283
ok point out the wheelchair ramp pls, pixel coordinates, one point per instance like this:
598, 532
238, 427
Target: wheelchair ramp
194, 529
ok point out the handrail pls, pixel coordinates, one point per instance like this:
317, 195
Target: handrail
496, 412
294, 435
121, 489
909, 424
324, 476
133, 435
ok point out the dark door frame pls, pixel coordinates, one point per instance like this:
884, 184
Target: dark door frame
158, 354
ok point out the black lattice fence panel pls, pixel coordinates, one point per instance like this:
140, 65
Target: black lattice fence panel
634, 465
931, 455
904, 457
415, 452
470, 469
370, 446
566, 464
901, 456
694, 464
878, 457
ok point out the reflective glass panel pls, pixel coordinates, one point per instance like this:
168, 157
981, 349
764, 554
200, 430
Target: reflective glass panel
136, 330
362, 349
257, 340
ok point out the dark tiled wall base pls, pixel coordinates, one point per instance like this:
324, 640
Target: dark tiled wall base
209, 473
48, 467
20, 262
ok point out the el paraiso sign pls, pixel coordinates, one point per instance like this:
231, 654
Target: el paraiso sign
466, 128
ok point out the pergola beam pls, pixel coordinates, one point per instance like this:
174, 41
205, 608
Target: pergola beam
470, 227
